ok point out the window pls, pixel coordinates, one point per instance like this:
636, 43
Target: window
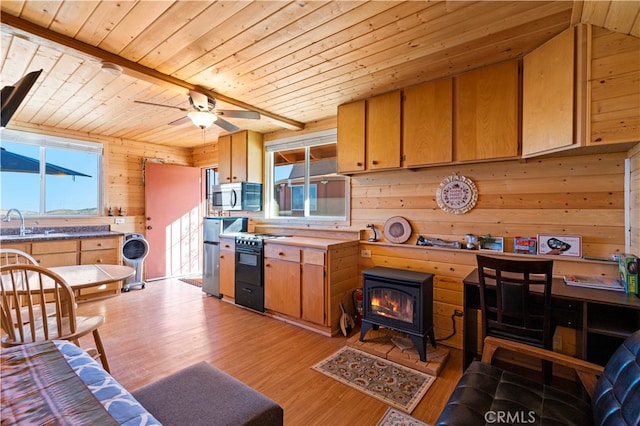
302, 182
50, 176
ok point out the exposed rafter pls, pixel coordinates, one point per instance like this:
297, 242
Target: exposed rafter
26, 29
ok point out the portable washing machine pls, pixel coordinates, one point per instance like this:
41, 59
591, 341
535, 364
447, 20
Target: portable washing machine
134, 250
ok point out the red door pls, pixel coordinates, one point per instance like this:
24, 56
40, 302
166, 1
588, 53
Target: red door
172, 207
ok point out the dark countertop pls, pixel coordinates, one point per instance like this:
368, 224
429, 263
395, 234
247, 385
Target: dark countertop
59, 233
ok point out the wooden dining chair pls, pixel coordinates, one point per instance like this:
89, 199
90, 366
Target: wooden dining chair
515, 299
10, 256
37, 304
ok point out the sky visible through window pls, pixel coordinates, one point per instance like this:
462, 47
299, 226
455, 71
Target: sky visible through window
63, 194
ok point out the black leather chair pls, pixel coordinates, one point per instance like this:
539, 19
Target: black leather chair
510, 310
487, 394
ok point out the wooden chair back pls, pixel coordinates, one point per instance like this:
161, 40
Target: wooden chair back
9, 256
515, 298
37, 304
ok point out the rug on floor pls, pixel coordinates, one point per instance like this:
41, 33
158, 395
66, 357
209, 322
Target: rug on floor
395, 417
387, 381
193, 281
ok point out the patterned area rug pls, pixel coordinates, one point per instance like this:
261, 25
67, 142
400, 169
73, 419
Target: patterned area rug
394, 417
193, 281
387, 381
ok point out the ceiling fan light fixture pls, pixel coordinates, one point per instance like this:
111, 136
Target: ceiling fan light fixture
202, 119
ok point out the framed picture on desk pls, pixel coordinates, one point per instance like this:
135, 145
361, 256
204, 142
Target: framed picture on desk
560, 245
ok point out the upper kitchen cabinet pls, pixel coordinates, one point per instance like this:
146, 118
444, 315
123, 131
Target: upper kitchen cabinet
427, 124
351, 137
582, 88
240, 157
614, 85
550, 88
486, 113
369, 134
383, 131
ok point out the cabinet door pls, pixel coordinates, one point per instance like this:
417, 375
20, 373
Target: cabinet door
224, 159
55, 253
282, 286
239, 157
547, 96
486, 113
383, 124
313, 287
227, 273
351, 137
427, 123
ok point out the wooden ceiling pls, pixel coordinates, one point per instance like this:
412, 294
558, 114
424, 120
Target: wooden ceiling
293, 61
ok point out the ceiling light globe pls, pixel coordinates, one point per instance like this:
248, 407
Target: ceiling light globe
202, 119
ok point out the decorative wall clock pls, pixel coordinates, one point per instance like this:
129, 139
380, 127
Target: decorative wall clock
457, 194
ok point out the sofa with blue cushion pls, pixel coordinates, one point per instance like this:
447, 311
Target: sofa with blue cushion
486, 394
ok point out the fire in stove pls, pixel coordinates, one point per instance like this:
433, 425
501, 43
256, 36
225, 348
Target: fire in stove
392, 304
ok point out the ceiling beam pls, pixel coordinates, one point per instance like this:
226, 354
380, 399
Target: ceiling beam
25, 29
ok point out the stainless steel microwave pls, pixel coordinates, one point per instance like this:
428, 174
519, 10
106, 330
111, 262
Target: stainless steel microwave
246, 196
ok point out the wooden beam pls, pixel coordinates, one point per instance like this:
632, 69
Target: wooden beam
26, 29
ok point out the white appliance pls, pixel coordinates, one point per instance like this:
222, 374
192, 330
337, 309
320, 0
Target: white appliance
135, 249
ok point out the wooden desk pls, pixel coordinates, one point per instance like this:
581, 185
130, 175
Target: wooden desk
86, 280
602, 318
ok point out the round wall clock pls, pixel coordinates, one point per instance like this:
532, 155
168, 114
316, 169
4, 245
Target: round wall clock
457, 194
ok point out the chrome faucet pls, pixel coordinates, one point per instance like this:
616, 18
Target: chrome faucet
7, 218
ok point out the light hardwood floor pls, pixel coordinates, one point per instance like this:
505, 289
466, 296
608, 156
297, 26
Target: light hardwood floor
152, 332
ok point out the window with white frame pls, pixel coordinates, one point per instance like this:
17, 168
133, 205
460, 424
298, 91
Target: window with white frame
43, 175
302, 180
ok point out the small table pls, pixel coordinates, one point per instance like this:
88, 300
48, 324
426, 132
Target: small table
85, 276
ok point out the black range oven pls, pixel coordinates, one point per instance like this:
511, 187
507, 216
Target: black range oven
249, 283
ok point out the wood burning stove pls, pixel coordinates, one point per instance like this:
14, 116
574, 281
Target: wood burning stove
400, 300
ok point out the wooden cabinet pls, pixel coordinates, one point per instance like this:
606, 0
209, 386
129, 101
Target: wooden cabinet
581, 89
549, 91
613, 87
240, 157
486, 119
282, 279
351, 137
383, 125
98, 250
228, 267
306, 279
313, 286
369, 134
55, 253
427, 124
78, 251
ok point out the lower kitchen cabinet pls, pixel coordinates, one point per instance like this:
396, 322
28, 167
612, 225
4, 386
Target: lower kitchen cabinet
77, 251
227, 267
306, 279
282, 279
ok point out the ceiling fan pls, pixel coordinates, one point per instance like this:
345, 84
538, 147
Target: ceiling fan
204, 113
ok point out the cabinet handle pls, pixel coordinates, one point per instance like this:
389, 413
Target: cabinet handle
374, 162
221, 256
359, 164
267, 265
99, 244
281, 254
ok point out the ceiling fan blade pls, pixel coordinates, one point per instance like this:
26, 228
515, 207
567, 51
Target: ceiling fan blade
226, 125
179, 121
161, 105
199, 101
235, 113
